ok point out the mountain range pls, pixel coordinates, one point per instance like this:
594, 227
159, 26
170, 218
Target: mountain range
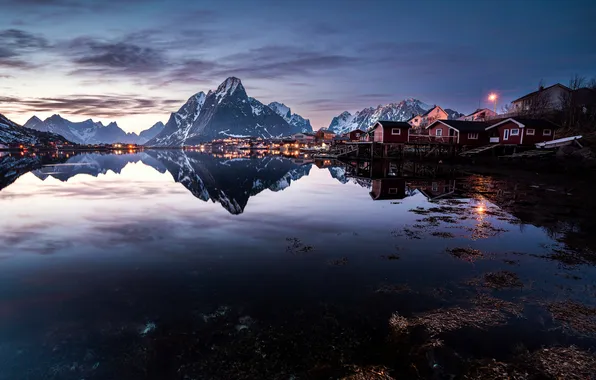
227, 112
12, 133
364, 119
91, 132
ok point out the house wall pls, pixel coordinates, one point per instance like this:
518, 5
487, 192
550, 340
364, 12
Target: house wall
388, 137
484, 114
482, 138
355, 135
436, 114
433, 132
415, 122
551, 96
512, 140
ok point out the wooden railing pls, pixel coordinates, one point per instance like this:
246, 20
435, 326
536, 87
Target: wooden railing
426, 138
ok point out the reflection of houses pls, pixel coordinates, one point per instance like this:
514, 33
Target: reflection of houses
481, 114
323, 163
388, 188
520, 131
434, 188
459, 132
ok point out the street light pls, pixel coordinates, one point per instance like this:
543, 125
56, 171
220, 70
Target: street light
493, 98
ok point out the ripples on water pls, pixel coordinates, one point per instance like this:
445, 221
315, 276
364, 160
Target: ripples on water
171, 264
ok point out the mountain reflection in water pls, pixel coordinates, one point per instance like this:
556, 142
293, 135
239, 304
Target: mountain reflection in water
118, 267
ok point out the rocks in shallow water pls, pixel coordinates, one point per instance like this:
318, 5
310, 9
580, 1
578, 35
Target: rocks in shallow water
498, 280
244, 323
465, 253
574, 316
150, 326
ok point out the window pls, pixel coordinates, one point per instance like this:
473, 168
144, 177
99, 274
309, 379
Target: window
395, 131
393, 190
546, 132
473, 136
439, 132
435, 186
530, 132
515, 132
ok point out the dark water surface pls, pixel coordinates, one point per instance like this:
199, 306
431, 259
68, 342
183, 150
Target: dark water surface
182, 265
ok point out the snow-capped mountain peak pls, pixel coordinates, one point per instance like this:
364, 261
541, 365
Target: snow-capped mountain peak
228, 87
292, 119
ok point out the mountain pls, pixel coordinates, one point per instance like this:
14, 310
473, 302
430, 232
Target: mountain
291, 118
227, 111
12, 133
85, 132
230, 182
150, 133
402, 111
452, 114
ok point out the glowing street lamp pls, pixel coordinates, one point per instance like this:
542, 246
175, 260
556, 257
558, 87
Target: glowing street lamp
493, 98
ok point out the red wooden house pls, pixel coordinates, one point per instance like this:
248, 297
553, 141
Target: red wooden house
458, 132
356, 134
520, 131
390, 131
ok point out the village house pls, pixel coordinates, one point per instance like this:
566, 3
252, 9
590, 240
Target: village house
324, 135
356, 134
304, 138
435, 113
459, 132
545, 99
520, 131
390, 131
481, 114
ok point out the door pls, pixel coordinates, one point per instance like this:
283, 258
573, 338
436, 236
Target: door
506, 134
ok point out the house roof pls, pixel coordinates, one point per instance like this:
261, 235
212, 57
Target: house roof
531, 94
435, 106
325, 131
481, 110
463, 126
392, 124
527, 123
357, 130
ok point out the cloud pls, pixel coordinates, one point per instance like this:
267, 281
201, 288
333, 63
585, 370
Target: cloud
14, 43
115, 58
271, 62
105, 106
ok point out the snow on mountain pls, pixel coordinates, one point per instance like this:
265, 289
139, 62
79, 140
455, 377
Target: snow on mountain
230, 183
150, 133
12, 133
292, 118
364, 119
227, 111
452, 114
84, 132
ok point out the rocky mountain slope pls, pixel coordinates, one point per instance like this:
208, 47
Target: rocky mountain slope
364, 119
85, 132
292, 118
12, 133
226, 112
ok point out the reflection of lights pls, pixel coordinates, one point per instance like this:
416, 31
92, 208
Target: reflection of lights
481, 208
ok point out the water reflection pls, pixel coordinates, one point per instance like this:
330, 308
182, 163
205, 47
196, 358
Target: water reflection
136, 273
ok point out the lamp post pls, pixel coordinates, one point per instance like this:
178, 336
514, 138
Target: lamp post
493, 98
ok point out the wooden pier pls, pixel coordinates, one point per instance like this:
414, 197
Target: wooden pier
378, 150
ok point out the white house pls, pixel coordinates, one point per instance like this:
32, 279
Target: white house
546, 98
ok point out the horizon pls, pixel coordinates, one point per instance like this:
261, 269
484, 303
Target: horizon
91, 61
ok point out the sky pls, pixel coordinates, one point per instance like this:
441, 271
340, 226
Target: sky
135, 61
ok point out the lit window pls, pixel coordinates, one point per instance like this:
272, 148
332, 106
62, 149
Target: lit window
395, 131
515, 132
530, 132
473, 136
546, 132
439, 132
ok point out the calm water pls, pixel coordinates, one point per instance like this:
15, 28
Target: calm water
182, 265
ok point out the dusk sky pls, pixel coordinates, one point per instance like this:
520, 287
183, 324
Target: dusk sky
135, 61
